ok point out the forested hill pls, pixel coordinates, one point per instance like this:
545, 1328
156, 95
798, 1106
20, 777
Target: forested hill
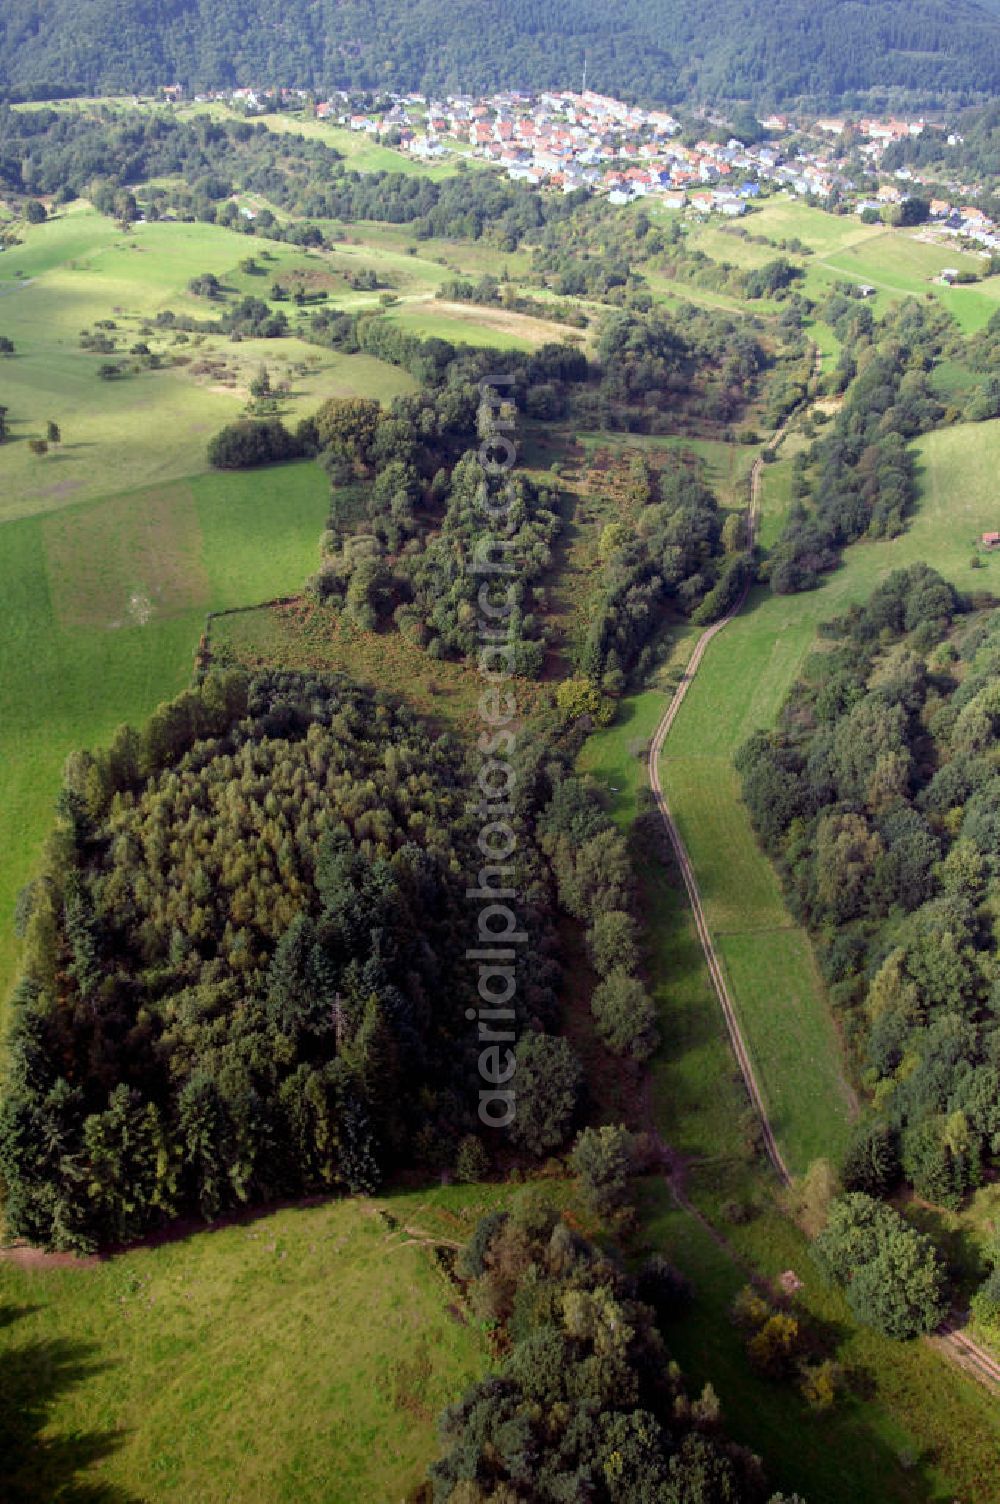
664, 50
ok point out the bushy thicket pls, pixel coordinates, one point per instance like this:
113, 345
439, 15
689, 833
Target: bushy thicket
594, 883
983, 355
652, 362
878, 797
669, 557
414, 555
892, 1277
250, 442
586, 1402
418, 554
859, 479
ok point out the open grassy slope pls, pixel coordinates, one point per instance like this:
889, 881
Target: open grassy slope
259, 1361
358, 149
472, 325
152, 426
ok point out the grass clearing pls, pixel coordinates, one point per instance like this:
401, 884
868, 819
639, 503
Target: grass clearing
915, 1429
727, 466
472, 325
154, 1369
470, 257
306, 636
865, 1450
795, 1050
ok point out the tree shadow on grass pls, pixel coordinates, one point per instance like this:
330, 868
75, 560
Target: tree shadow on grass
962, 1252
35, 1465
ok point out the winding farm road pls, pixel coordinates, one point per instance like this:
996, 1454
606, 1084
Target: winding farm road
950, 1338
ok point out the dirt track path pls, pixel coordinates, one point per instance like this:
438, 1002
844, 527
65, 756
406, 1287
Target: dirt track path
712, 958
951, 1340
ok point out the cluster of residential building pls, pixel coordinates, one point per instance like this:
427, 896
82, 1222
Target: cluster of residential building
571, 142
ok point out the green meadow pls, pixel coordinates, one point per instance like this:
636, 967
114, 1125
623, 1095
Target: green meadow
913, 1430
916, 1429
157, 1374
152, 426
359, 149
744, 677
496, 328
898, 264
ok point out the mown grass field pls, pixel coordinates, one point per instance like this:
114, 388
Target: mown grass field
303, 1356
472, 325
898, 265
105, 602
